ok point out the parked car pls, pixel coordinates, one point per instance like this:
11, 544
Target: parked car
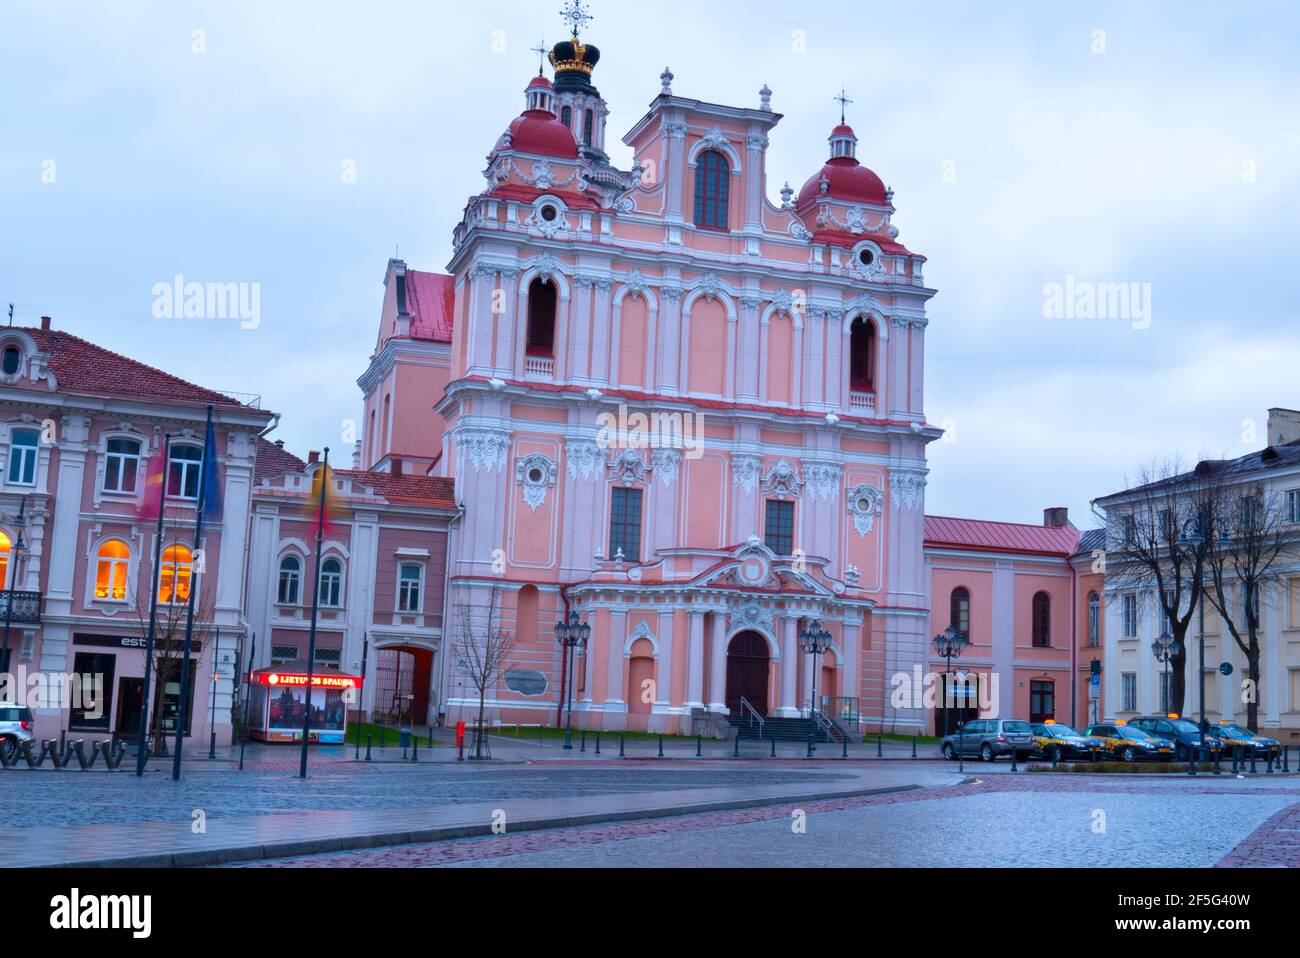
989, 738
1130, 744
15, 728
1184, 733
1061, 742
1235, 736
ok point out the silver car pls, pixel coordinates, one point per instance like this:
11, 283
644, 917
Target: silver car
989, 738
15, 728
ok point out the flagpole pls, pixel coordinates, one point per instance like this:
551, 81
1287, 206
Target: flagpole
189, 611
154, 585
315, 605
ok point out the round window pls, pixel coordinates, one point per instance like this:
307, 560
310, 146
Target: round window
11, 361
534, 474
549, 213
864, 505
866, 257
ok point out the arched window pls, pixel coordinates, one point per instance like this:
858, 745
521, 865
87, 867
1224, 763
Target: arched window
185, 463
110, 570
176, 574
1094, 619
542, 299
1042, 624
712, 183
290, 576
331, 582
13, 358
121, 465
22, 456
862, 350
588, 121
566, 117
6, 549
959, 610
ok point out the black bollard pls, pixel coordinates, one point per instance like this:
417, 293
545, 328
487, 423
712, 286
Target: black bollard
1253, 770
430, 736
415, 749
582, 746
598, 741
460, 751
1234, 760
810, 747
844, 751
367, 748
879, 753
1217, 754
735, 751
1269, 769
1286, 764
661, 746
913, 746
1191, 762
1014, 766
621, 753
699, 745
1056, 754
774, 746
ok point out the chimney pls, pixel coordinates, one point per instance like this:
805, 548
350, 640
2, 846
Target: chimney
45, 322
356, 454
313, 457
1056, 517
279, 443
1283, 427
395, 466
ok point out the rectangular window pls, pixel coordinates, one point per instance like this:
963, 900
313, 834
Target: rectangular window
22, 457
1130, 616
328, 658
1293, 505
1293, 601
281, 654
1129, 692
625, 524
183, 468
1094, 620
121, 465
408, 587
778, 527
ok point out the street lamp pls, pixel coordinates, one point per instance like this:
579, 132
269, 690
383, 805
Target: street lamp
948, 645
1195, 539
815, 641
1165, 649
12, 570
571, 635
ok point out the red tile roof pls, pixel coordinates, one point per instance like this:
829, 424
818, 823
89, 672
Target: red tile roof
82, 367
431, 301
434, 490
274, 461
980, 534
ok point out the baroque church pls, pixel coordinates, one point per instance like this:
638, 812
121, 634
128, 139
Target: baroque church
788, 335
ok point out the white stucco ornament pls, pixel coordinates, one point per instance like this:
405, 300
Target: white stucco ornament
536, 474
864, 505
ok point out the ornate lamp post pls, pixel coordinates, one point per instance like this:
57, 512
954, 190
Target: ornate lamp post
1164, 649
12, 568
948, 645
815, 641
572, 635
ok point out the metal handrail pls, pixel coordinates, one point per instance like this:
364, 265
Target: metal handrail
821, 719
753, 715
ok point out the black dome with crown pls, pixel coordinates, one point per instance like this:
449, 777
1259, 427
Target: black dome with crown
573, 61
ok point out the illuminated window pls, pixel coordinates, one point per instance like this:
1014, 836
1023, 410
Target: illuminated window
121, 465
183, 468
22, 457
111, 569
6, 549
331, 582
176, 574
408, 587
290, 576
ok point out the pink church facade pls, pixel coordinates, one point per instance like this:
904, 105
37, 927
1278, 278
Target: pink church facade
687, 413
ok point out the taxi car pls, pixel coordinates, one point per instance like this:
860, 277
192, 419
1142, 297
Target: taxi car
1130, 744
1061, 742
1234, 736
1184, 733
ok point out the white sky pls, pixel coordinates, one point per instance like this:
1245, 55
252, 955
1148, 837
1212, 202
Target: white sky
1170, 159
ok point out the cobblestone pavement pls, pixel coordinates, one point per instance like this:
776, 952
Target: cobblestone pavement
1002, 820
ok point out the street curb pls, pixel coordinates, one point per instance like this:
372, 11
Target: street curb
248, 853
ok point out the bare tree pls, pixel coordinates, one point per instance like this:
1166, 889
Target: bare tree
1153, 550
483, 651
1243, 545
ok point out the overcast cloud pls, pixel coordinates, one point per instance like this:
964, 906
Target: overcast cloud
1020, 154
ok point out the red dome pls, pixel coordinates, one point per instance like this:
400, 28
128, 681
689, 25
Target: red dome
843, 130
539, 81
849, 180
537, 131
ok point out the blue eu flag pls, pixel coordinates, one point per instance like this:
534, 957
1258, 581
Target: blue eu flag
211, 477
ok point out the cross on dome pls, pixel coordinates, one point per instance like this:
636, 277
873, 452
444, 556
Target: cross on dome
843, 101
541, 51
575, 13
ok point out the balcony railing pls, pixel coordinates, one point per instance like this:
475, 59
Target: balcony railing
26, 607
539, 367
862, 402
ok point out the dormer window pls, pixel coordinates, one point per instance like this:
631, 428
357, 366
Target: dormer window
11, 361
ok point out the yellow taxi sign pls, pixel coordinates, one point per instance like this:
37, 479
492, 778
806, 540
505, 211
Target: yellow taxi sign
1173, 715
1225, 722
1121, 722
1049, 721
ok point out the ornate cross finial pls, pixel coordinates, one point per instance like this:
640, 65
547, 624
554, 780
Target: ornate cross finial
575, 12
843, 101
540, 50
